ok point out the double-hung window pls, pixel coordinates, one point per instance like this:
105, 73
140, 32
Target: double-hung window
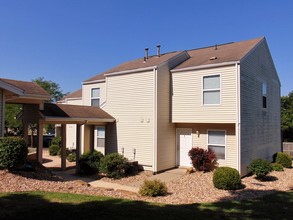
217, 143
211, 90
95, 97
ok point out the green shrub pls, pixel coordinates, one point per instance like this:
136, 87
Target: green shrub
277, 167
114, 164
13, 152
153, 188
56, 141
260, 168
53, 149
66, 150
284, 159
71, 157
202, 160
227, 178
90, 162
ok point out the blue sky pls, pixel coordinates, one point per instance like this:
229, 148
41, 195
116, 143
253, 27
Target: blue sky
68, 41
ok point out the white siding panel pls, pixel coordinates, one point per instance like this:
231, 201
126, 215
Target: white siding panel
187, 104
260, 127
201, 141
166, 145
86, 92
130, 102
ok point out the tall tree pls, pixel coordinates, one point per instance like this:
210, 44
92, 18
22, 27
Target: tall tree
287, 116
51, 87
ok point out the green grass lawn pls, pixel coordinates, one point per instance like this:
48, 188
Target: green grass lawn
45, 205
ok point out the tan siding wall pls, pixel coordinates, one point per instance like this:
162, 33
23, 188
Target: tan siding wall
166, 148
187, 104
2, 113
74, 102
130, 102
260, 128
202, 140
86, 92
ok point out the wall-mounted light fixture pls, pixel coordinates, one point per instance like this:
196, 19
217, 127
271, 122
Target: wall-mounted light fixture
122, 150
134, 152
197, 133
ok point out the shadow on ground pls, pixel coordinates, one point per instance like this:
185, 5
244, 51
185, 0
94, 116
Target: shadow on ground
68, 206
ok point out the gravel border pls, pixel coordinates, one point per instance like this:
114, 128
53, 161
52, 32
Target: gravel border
189, 188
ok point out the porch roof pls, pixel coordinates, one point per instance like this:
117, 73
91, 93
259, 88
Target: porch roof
23, 92
74, 114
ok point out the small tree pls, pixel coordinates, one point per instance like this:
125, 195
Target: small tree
202, 160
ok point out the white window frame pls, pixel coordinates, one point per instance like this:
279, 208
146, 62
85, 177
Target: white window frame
211, 90
220, 145
95, 98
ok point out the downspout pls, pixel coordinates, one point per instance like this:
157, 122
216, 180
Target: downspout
155, 146
238, 122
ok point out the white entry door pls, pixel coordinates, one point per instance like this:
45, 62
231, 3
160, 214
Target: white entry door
184, 144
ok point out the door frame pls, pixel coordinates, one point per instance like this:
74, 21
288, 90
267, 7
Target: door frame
178, 144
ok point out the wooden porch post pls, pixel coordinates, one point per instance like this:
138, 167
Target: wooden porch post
63, 147
40, 143
25, 132
78, 145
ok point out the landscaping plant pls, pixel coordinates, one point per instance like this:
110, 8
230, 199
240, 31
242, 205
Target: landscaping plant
67, 152
284, 159
153, 188
227, 178
54, 149
13, 152
114, 165
260, 168
71, 157
202, 160
277, 167
90, 162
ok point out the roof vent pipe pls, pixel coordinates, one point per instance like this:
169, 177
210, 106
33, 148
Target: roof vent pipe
158, 50
146, 53
216, 47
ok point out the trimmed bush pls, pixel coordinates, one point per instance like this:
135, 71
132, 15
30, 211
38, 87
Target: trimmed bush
56, 141
13, 152
53, 149
71, 157
277, 167
260, 168
227, 178
114, 165
90, 162
66, 150
202, 160
284, 159
153, 188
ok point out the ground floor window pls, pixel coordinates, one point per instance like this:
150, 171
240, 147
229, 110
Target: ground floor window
217, 143
100, 139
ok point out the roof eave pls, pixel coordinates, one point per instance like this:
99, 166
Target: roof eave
131, 71
93, 81
11, 88
205, 66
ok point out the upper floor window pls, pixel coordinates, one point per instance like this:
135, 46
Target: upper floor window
211, 90
217, 143
95, 97
264, 95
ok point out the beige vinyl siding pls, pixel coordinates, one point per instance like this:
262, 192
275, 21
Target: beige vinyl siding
130, 102
74, 102
86, 92
260, 128
201, 141
166, 147
187, 103
2, 113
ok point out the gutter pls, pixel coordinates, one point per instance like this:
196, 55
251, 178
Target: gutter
238, 110
155, 143
131, 71
92, 82
205, 66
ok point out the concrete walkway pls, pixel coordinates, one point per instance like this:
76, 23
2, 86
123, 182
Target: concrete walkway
54, 162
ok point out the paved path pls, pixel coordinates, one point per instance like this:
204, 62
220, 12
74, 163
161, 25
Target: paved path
54, 162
